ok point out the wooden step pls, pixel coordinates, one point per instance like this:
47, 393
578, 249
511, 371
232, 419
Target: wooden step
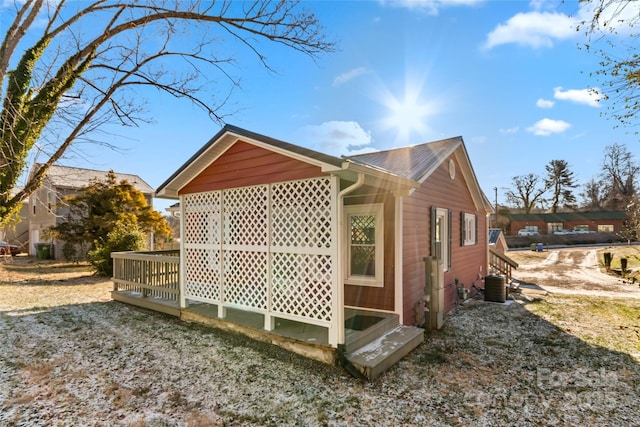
355, 338
379, 355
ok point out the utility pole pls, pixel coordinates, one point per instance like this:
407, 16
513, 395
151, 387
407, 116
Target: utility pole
495, 218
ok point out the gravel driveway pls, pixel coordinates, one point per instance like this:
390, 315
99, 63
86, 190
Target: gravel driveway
572, 271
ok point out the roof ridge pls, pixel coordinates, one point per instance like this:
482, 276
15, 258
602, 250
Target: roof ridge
92, 170
406, 147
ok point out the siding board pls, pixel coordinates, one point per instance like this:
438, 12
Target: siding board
244, 164
466, 261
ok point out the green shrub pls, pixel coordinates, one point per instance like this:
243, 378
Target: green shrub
123, 237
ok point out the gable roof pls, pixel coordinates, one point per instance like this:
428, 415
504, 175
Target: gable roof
494, 234
415, 162
225, 138
406, 167
72, 178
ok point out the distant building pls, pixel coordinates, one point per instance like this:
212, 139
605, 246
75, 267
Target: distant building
47, 207
18, 233
547, 223
497, 240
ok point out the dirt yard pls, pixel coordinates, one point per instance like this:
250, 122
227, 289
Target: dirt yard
572, 271
69, 356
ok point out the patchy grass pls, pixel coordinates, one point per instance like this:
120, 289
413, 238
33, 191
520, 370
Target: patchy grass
630, 252
70, 356
29, 269
606, 322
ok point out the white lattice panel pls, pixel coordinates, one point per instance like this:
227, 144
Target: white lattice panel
302, 285
301, 214
245, 278
246, 219
240, 242
202, 268
201, 216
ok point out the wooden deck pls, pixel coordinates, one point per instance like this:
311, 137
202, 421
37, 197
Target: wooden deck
161, 305
151, 281
306, 340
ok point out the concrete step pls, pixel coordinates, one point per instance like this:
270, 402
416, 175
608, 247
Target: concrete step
379, 355
357, 336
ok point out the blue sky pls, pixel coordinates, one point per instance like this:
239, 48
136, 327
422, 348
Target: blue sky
507, 76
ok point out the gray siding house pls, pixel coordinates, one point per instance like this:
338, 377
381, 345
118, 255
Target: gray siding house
48, 208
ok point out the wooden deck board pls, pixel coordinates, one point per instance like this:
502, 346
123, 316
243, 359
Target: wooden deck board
151, 303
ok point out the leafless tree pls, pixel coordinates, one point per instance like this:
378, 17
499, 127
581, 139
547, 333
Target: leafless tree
593, 195
612, 27
89, 65
618, 176
526, 193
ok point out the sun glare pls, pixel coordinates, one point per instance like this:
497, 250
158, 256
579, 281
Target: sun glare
407, 115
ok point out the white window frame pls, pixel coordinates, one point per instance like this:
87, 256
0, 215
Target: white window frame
377, 211
469, 229
442, 235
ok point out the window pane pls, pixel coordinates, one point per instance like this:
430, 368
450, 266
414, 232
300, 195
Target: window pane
363, 230
363, 260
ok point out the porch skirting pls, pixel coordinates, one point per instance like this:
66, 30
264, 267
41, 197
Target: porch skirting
305, 340
323, 353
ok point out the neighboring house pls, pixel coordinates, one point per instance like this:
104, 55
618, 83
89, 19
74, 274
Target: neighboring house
18, 233
48, 208
291, 233
497, 240
547, 223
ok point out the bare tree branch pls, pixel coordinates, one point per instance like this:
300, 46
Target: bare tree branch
78, 76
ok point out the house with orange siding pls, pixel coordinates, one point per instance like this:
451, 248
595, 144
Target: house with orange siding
338, 244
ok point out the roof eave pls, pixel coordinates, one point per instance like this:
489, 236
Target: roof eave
224, 139
401, 185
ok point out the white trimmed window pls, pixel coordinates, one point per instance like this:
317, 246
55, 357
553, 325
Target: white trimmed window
365, 244
605, 228
469, 229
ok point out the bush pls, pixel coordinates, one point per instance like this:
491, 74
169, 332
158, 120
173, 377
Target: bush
123, 237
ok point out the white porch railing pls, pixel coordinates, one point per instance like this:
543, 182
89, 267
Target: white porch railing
150, 274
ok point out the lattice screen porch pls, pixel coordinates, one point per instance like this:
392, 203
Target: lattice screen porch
270, 249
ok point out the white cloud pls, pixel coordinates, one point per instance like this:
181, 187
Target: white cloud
533, 29
429, 6
336, 138
544, 103
350, 75
543, 4
479, 139
514, 129
546, 127
588, 97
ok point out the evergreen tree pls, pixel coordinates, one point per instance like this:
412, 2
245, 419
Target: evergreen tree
560, 181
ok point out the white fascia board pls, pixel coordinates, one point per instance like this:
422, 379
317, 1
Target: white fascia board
325, 167
403, 186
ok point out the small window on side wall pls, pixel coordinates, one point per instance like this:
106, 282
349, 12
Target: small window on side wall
365, 245
468, 229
